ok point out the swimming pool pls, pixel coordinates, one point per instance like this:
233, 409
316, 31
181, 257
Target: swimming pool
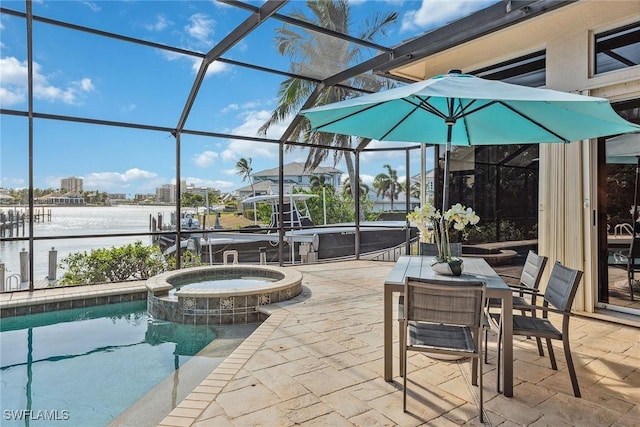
84, 367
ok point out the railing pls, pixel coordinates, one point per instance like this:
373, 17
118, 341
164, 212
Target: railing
391, 254
623, 229
9, 280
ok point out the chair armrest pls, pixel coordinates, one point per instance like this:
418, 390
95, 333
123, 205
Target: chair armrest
529, 291
509, 276
546, 309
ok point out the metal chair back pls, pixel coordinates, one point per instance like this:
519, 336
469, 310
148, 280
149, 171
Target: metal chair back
532, 271
444, 302
562, 287
428, 249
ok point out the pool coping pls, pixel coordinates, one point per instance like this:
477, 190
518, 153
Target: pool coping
21, 303
161, 283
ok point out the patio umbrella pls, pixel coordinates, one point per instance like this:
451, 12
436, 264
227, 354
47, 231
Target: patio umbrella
460, 109
626, 149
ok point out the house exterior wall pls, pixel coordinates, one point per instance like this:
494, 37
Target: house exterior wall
567, 187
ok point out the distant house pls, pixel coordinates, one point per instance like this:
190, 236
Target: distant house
5, 197
429, 183
70, 198
295, 176
383, 203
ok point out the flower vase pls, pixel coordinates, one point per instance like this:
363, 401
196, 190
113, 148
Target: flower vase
452, 267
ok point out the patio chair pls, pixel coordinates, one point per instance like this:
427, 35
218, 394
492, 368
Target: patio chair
558, 298
443, 317
529, 279
629, 261
428, 249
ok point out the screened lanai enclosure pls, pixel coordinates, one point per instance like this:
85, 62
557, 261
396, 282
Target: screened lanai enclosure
266, 63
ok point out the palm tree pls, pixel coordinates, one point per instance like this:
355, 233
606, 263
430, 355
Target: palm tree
414, 190
387, 184
307, 51
347, 188
318, 182
243, 168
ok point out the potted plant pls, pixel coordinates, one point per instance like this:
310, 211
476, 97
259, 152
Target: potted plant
434, 228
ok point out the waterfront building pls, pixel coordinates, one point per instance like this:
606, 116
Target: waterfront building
71, 184
167, 192
144, 198
69, 198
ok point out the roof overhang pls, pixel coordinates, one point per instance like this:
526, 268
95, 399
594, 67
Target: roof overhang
412, 56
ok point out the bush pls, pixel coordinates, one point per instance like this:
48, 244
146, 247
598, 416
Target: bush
117, 264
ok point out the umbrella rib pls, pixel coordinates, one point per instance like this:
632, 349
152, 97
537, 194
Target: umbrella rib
349, 115
463, 109
399, 122
535, 122
424, 105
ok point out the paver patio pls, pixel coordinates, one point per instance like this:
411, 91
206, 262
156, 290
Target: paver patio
318, 361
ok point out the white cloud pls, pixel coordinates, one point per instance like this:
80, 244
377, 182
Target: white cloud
224, 186
8, 97
205, 159
160, 24
229, 171
93, 6
86, 85
252, 120
200, 27
214, 68
220, 5
13, 78
13, 182
230, 107
436, 13
118, 181
367, 179
246, 106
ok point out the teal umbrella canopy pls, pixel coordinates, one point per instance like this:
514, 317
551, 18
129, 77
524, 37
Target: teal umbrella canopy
461, 109
479, 112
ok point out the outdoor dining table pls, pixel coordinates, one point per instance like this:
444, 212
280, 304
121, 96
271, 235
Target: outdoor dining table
475, 269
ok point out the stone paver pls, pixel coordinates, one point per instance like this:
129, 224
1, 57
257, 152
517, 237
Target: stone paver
318, 360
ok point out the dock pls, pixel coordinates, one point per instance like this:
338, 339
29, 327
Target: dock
13, 222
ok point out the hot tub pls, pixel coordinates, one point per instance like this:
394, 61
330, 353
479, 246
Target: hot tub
193, 295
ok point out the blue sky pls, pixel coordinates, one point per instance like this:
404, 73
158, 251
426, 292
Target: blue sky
83, 75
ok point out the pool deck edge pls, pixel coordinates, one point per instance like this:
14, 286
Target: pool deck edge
194, 405
9, 300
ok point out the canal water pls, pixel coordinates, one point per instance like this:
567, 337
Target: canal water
76, 221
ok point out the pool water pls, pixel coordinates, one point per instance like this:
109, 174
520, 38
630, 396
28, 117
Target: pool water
223, 282
83, 367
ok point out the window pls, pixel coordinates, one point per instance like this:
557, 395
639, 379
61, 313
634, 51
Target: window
528, 70
617, 49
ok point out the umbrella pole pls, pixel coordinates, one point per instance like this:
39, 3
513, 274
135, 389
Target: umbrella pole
635, 199
445, 187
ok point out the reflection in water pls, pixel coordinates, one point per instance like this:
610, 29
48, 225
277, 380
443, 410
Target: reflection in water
92, 363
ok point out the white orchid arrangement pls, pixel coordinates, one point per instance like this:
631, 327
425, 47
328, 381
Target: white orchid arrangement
433, 226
